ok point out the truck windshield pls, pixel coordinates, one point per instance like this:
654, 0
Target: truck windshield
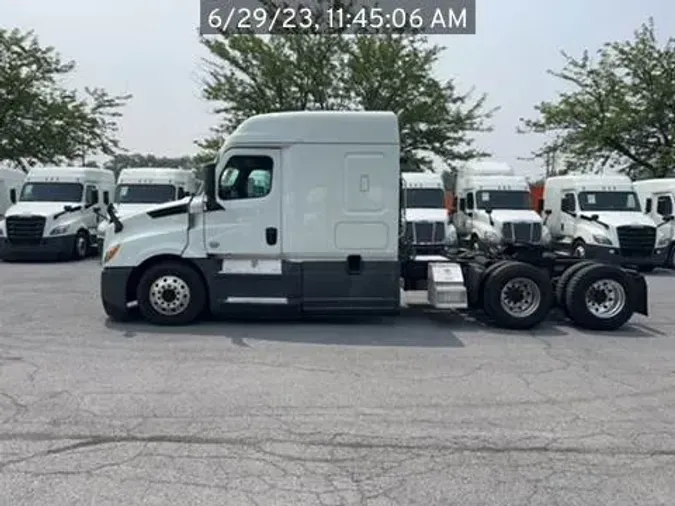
503, 199
144, 193
424, 198
51, 192
608, 201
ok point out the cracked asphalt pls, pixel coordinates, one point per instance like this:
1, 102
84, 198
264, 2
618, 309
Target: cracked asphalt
419, 410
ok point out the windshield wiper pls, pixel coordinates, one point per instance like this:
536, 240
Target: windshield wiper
114, 218
66, 210
595, 218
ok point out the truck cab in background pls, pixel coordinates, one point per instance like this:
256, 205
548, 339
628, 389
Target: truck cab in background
656, 199
600, 217
494, 207
57, 213
11, 181
140, 188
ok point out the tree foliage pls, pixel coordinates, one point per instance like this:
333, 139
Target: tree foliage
40, 120
249, 75
620, 112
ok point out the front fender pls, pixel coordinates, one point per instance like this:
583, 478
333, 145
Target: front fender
135, 249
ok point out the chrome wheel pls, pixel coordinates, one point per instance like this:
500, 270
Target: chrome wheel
520, 297
169, 295
605, 298
81, 246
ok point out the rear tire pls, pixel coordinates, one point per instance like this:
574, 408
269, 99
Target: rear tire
599, 297
476, 296
563, 281
171, 293
517, 296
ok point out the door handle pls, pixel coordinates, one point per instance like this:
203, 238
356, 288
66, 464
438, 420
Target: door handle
271, 236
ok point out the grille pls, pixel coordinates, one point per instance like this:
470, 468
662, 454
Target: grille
522, 232
25, 230
636, 241
425, 232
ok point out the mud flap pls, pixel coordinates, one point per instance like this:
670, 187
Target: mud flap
640, 289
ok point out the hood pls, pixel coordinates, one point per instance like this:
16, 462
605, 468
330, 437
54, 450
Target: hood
502, 216
46, 209
129, 209
438, 214
621, 218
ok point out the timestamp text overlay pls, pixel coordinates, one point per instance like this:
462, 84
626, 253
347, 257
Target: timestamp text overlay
443, 17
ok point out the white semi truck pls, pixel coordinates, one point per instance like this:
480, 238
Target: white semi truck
11, 181
495, 207
656, 199
140, 188
600, 217
428, 230
57, 213
320, 236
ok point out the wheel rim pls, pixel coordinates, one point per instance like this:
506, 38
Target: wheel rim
605, 298
169, 295
579, 251
81, 246
520, 297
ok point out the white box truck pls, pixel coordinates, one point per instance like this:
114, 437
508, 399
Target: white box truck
11, 181
301, 213
656, 198
139, 188
600, 217
428, 231
494, 207
57, 213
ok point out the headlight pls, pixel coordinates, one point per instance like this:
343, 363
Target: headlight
602, 239
60, 230
661, 241
451, 236
111, 253
545, 235
491, 237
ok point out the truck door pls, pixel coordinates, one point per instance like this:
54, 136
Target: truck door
91, 218
568, 209
248, 227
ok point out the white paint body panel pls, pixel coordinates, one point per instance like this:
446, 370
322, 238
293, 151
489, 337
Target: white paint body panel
11, 181
654, 189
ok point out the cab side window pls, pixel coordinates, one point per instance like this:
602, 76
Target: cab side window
91, 195
246, 177
469, 201
664, 206
106, 197
568, 205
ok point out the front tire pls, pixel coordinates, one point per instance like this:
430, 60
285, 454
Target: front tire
171, 293
81, 245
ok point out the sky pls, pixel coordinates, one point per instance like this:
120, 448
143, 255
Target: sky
150, 48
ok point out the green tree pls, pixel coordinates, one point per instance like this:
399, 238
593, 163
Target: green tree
40, 120
620, 111
249, 75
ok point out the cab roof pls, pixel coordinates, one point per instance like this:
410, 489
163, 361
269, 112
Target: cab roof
317, 127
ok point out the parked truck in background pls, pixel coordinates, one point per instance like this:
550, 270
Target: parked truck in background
656, 199
11, 181
494, 207
57, 213
428, 231
600, 217
321, 237
140, 188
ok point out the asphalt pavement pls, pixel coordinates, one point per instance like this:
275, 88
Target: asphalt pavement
424, 409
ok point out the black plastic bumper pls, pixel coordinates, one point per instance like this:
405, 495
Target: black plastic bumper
47, 249
114, 282
612, 256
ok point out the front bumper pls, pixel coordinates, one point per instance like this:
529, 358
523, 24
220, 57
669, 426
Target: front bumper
48, 248
612, 255
114, 281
